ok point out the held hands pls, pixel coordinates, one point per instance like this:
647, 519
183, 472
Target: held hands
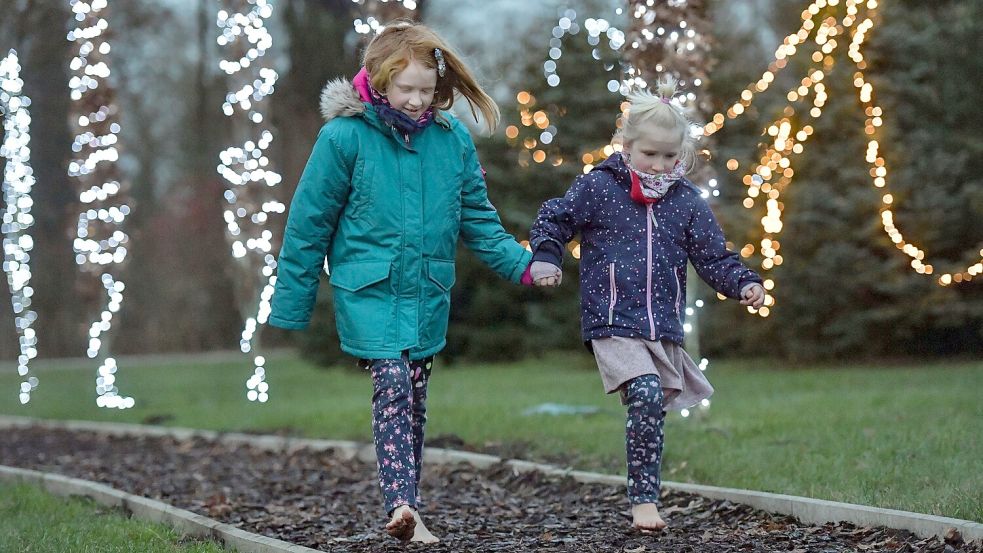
753, 294
545, 274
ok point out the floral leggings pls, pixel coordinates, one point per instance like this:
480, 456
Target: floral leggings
399, 413
643, 437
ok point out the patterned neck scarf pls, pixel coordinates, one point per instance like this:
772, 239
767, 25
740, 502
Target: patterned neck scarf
654, 186
392, 116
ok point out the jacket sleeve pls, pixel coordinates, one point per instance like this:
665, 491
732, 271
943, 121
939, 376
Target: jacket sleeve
481, 228
717, 266
314, 211
560, 219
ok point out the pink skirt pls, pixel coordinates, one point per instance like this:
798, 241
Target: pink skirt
621, 359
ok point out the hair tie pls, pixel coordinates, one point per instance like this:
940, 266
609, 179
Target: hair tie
665, 100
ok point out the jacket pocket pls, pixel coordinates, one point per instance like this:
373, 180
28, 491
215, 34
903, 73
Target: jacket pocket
436, 300
441, 272
359, 274
363, 301
613, 296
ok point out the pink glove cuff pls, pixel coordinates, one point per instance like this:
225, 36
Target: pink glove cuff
527, 276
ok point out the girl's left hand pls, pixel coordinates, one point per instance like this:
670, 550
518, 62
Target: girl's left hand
545, 274
753, 294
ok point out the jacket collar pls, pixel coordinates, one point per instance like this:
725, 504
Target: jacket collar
615, 166
340, 98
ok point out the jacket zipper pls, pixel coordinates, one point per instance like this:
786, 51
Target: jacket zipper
679, 292
613, 298
648, 284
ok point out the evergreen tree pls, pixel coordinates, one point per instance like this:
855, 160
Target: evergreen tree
844, 289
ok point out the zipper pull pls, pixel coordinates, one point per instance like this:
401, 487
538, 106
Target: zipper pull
655, 222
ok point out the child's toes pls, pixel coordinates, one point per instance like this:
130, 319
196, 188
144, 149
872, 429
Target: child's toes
402, 525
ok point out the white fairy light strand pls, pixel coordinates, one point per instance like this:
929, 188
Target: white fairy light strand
18, 180
567, 25
246, 168
96, 248
371, 25
681, 39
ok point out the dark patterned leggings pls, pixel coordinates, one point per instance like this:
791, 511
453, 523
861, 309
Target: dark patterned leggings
643, 437
399, 413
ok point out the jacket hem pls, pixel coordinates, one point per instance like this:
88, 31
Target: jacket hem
609, 331
389, 353
287, 324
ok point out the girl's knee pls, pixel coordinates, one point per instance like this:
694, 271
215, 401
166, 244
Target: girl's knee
644, 391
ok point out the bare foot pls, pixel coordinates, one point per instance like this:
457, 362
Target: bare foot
403, 523
421, 533
645, 516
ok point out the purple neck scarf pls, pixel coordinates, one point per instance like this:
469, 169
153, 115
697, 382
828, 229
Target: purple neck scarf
390, 115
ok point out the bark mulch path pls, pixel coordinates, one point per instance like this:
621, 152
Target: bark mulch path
320, 501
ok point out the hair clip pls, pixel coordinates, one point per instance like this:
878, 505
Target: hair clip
441, 64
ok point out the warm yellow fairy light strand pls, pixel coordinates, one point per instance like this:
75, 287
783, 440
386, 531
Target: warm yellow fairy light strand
776, 160
778, 155
18, 180
878, 167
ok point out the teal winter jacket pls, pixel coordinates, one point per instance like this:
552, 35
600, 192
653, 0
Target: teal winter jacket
387, 212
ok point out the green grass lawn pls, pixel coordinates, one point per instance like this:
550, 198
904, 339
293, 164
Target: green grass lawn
902, 437
33, 521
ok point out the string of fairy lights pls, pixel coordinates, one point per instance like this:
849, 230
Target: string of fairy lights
878, 167
18, 180
774, 171
680, 38
541, 131
100, 243
246, 168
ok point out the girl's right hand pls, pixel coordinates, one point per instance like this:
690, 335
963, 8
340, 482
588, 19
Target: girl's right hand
545, 274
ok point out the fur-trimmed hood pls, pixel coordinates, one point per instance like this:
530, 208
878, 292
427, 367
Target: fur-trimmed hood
340, 99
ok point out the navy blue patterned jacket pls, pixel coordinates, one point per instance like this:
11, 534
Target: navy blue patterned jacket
633, 256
